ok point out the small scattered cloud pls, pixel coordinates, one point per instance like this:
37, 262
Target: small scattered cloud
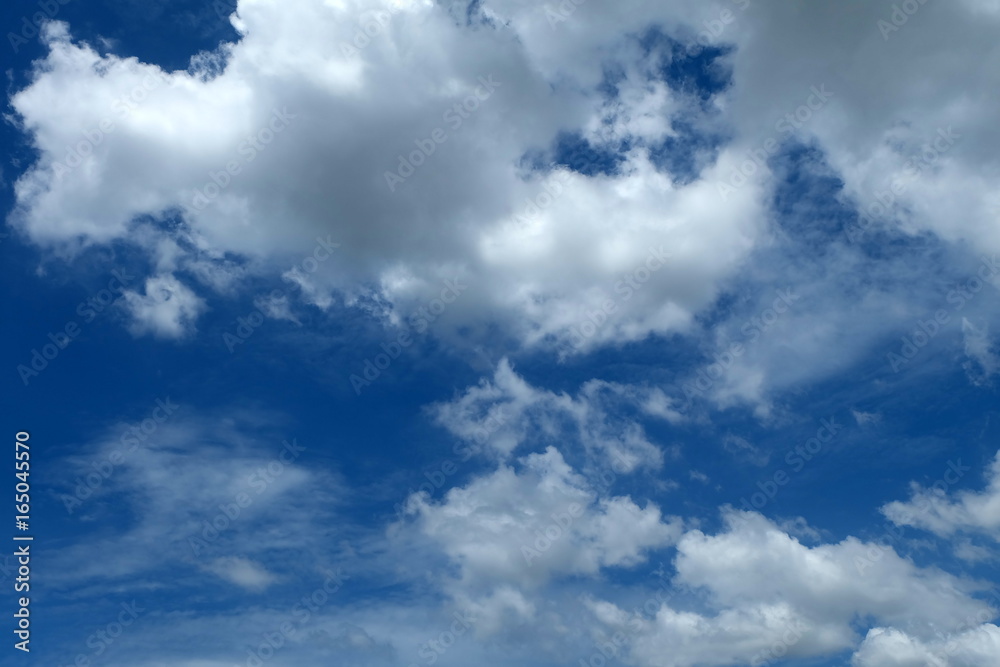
166, 309
242, 572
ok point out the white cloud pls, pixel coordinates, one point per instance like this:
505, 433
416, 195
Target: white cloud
866, 418
881, 117
454, 217
506, 412
525, 552
889, 647
312, 131
755, 560
200, 492
555, 277
242, 572
983, 361
964, 511
698, 476
168, 309
277, 307
772, 598
544, 521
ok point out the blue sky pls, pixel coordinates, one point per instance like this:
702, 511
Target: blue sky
507, 333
